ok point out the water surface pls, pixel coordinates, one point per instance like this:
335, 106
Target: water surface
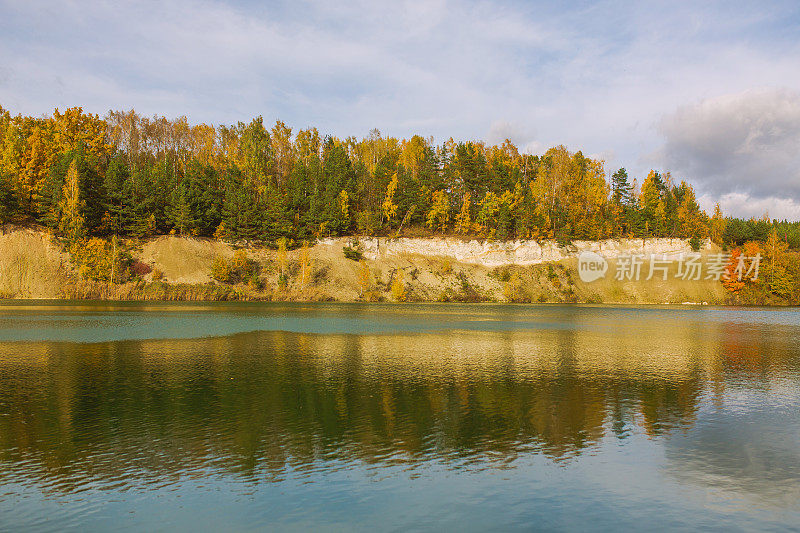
341, 417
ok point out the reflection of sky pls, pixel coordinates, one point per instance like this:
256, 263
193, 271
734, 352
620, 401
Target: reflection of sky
620, 485
748, 448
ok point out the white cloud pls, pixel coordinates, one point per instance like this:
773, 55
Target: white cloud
747, 142
500, 130
742, 150
596, 78
745, 206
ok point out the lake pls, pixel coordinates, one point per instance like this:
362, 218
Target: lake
236, 416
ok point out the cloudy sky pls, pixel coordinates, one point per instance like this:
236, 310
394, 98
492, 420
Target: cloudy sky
709, 91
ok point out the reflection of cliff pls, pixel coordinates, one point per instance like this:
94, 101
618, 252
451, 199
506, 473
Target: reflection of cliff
261, 404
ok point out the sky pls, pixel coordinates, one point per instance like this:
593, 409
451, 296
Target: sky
709, 91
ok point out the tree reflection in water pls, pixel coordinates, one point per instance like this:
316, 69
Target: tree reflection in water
266, 405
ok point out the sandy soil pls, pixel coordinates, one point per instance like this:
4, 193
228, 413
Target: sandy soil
32, 265
183, 259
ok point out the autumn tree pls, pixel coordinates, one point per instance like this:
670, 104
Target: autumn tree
364, 280
716, 226
389, 207
439, 214
71, 223
463, 222
305, 264
398, 287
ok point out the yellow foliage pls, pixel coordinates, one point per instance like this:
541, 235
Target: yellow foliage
38, 158
364, 281
220, 270
71, 224
280, 256
99, 260
389, 207
305, 264
240, 261
398, 287
344, 204
74, 128
220, 231
514, 290
239, 269
439, 215
463, 220
716, 226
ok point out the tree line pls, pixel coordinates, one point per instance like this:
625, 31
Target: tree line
129, 175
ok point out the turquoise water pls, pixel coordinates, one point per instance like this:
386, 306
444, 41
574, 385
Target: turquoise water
356, 417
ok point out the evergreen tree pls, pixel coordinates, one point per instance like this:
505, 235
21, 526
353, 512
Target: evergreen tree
8, 200
195, 207
116, 186
621, 188
241, 214
276, 221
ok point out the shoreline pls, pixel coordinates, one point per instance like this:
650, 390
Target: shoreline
34, 266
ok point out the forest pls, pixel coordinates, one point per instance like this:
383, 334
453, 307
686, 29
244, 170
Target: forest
134, 176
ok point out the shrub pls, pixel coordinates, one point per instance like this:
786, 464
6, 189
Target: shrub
515, 290
364, 280
468, 292
306, 265
220, 270
241, 266
238, 270
352, 253
694, 242
157, 274
502, 274
398, 287
255, 282
373, 296
100, 260
140, 269
446, 267
597, 299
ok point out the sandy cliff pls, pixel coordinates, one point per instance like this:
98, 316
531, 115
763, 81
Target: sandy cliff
32, 265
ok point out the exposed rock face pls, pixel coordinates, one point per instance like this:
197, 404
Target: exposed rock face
33, 265
494, 253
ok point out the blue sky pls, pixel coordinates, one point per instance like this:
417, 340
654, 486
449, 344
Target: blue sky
709, 91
